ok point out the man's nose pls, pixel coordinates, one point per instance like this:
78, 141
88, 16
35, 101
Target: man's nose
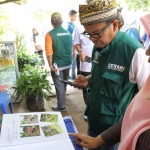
93, 39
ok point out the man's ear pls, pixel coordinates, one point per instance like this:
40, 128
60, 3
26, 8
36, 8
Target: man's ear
115, 25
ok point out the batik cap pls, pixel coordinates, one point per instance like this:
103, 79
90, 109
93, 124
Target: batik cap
98, 11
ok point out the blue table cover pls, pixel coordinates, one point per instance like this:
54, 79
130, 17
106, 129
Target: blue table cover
71, 129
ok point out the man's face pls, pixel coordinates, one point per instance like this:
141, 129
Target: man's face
106, 31
73, 17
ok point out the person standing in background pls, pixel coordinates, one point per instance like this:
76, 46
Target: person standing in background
38, 42
58, 46
84, 48
70, 29
72, 19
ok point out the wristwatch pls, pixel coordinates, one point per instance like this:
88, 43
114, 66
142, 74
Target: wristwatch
79, 52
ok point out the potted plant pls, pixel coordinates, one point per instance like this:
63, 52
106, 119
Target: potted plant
33, 86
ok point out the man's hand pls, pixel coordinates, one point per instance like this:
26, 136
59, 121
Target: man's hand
81, 80
53, 68
87, 141
82, 56
73, 54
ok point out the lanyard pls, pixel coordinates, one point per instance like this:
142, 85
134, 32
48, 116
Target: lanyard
95, 64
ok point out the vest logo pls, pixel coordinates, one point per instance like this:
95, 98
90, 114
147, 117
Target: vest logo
62, 34
116, 67
96, 57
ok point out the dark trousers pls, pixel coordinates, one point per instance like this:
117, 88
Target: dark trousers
84, 90
78, 64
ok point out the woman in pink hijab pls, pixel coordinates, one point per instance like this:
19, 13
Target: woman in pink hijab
133, 132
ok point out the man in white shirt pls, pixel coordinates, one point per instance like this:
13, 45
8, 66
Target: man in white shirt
84, 48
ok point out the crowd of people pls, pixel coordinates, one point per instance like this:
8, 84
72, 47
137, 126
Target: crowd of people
116, 79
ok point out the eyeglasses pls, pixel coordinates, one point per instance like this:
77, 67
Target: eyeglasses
96, 35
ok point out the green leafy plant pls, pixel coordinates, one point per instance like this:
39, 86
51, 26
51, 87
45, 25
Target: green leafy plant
20, 42
32, 82
5, 23
23, 134
24, 59
22, 53
138, 5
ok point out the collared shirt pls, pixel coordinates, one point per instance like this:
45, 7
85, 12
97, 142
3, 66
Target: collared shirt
86, 46
71, 27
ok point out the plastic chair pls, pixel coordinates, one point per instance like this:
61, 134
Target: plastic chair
5, 100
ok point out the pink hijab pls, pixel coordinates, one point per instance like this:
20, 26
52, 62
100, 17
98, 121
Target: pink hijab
136, 119
137, 116
145, 20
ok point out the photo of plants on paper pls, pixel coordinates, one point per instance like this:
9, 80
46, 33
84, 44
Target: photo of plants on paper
51, 130
49, 118
28, 119
29, 131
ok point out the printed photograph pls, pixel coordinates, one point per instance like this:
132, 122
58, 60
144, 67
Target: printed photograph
28, 119
29, 131
49, 118
51, 130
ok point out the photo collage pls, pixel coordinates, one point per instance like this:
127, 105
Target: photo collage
29, 125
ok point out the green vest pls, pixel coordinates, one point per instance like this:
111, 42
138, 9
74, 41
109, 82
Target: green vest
110, 90
62, 46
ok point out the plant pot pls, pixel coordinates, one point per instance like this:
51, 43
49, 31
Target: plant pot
33, 104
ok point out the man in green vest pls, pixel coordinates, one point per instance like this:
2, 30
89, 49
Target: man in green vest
58, 46
119, 67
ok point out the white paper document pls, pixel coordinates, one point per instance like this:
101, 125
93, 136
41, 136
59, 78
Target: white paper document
25, 131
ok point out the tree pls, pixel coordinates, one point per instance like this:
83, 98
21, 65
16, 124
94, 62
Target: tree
4, 21
138, 5
41, 15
